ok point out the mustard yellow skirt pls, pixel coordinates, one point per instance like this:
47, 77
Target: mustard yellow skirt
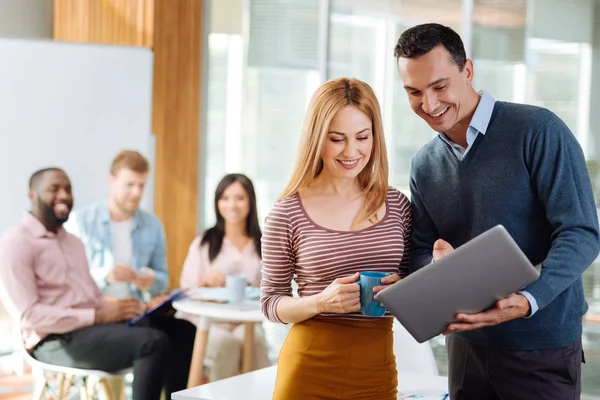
333, 358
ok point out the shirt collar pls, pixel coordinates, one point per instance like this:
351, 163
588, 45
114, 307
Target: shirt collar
104, 215
479, 123
483, 113
35, 226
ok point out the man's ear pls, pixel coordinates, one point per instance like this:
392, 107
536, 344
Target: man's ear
31, 194
468, 70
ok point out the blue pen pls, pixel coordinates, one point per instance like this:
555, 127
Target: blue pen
445, 396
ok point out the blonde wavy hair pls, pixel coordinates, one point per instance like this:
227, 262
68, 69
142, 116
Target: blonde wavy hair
327, 101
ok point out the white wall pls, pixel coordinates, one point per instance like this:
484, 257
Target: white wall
73, 106
30, 19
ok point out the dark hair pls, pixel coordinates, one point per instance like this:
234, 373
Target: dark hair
421, 39
214, 236
37, 176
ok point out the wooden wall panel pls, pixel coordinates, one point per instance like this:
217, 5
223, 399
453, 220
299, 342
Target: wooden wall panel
173, 29
121, 22
176, 123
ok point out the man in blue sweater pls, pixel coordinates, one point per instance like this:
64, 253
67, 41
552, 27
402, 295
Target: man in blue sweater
495, 163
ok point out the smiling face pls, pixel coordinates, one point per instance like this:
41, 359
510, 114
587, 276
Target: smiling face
234, 204
127, 189
52, 198
349, 143
438, 91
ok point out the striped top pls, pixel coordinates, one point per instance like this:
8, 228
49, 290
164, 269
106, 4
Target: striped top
294, 246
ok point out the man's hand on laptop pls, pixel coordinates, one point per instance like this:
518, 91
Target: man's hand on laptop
441, 249
512, 307
388, 280
118, 310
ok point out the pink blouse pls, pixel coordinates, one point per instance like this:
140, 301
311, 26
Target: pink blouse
230, 260
47, 281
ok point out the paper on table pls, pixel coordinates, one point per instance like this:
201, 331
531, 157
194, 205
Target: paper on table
220, 294
426, 394
245, 305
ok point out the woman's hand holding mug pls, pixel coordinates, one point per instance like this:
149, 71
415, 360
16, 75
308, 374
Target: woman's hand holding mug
342, 296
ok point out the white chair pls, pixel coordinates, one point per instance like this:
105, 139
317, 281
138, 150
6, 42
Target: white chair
89, 380
412, 356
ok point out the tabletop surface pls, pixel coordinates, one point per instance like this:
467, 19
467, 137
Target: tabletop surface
258, 385
246, 311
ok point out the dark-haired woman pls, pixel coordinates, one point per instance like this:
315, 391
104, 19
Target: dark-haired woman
232, 246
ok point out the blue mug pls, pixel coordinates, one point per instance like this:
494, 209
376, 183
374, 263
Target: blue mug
368, 305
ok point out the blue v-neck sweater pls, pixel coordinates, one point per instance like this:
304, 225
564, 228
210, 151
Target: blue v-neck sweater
527, 173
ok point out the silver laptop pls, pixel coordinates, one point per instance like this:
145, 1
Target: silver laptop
471, 279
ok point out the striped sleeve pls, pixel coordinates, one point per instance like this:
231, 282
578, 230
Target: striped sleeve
277, 261
407, 237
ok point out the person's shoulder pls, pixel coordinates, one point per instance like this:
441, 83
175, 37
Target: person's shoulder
148, 219
397, 200
82, 220
74, 240
16, 241
395, 194
286, 205
197, 242
91, 210
197, 247
285, 210
514, 113
537, 123
15, 235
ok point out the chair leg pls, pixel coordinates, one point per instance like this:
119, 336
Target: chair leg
61, 386
41, 390
107, 389
116, 386
70, 380
92, 386
83, 393
88, 388
40, 380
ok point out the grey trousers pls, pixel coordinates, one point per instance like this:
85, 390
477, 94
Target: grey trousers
113, 347
480, 373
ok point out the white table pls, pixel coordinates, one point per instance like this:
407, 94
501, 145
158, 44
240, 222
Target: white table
248, 313
258, 385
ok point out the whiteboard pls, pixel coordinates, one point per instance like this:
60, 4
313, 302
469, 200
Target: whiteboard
74, 106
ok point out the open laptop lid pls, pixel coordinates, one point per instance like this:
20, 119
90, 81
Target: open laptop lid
471, 279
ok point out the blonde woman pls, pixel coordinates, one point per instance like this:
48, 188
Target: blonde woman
336, 217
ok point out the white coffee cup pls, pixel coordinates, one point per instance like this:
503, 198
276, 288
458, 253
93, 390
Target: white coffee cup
236, 288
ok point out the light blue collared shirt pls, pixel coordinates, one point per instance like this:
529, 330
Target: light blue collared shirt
478, 125
92, 225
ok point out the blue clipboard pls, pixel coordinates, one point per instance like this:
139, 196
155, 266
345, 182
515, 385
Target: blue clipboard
176, 295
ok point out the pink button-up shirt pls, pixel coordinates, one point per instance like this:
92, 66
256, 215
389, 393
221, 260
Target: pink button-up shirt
46, 281
230, 260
